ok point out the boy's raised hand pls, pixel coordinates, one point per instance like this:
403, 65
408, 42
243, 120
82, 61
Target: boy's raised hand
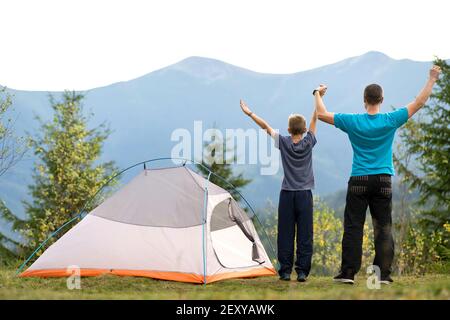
245, 108
259, 121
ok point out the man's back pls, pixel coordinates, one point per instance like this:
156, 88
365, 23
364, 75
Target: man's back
371, 137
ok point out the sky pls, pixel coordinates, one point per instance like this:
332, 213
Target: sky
82, 44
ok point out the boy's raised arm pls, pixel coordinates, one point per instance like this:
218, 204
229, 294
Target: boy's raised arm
425, 93
322, 112
259, 121
313, 122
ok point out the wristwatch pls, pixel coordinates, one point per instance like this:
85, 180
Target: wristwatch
314, 92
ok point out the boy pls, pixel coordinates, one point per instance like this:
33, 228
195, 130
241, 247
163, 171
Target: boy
371, 135
295, 207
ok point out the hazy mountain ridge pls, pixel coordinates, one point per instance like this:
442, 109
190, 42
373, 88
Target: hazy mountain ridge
144, 111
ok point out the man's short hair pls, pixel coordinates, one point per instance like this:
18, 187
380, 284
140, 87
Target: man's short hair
373, 94
297, 124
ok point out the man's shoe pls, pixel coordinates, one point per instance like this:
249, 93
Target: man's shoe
301, 277
386, 280
345, 277
285, 277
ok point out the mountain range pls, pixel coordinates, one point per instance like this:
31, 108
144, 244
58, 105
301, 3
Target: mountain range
144, 112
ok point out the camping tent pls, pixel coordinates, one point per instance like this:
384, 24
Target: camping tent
169, 224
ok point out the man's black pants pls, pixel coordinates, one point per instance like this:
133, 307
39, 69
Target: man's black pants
375, 192
295, 210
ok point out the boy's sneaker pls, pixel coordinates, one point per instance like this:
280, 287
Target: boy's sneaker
386, 280
285, 277
345, 277
301, 277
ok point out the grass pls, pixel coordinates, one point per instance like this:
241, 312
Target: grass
433, 286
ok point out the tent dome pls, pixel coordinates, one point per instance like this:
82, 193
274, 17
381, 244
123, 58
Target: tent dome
168, 223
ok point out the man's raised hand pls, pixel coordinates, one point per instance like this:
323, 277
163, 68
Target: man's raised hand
322, 113
425, 93
245, 108
434, 72
322, 89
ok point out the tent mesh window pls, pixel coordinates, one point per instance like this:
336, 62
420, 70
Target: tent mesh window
228, 215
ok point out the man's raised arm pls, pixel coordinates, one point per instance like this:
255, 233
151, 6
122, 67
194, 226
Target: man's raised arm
322, 112
425, 93
259, 121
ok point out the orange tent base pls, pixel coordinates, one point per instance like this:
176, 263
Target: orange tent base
161, 275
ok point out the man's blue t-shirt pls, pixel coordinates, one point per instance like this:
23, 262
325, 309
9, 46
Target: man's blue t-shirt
371, 137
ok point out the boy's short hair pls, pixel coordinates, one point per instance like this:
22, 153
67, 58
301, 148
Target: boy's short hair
297, 124
373, 94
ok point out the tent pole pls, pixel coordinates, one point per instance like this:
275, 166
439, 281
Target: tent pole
44, 242
204, 218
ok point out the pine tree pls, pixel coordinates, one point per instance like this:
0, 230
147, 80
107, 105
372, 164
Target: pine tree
215, 151
427, 140
67, 174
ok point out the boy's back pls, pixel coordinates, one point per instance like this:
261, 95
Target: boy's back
297, 161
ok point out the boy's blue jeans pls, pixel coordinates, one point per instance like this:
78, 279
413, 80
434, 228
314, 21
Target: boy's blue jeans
295, 212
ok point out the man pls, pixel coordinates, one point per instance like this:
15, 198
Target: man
295, 209
371, 135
